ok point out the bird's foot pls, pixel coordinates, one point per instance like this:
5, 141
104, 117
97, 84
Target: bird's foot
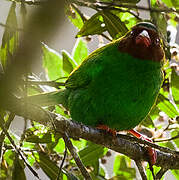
107, 129
151, 152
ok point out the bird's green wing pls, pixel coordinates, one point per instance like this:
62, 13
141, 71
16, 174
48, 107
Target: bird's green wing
90, 67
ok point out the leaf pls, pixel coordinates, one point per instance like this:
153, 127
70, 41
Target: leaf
114, 25
92, 153
175, 172
171, 3
121, 170
47, 138
48, 166
159, 19
173, 134
80, 51
147, 122
51, 169
68, 62
18, 169
52, 62
69, 175
74, 17
126, 17
166, 106
175, 87
10, 36
60, 147
94, 25
9, 156
154, 113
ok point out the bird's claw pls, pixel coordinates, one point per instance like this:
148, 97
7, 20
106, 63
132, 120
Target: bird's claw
151, 151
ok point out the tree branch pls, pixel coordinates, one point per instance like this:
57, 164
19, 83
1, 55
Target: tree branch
126, 145
102, 5
141, 170
78, 161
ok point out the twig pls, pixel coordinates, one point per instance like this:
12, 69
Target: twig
164, 149
167, 10
17, 149
79, 12
2, 135
169, 139
161, 173
48, 83
121, 5
61, 165
121, 10
141, 170
149, 4
9, 27
108, 38
79, 163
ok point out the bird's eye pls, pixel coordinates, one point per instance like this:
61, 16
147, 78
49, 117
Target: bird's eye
132, 33
157, 41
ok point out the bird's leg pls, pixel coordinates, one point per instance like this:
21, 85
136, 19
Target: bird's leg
151, 152
107, 129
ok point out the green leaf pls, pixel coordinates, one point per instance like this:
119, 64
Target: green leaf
175, 87
166, 106
154, 113
159, 19
9, 156
147, 122
173, 134
10, 36
69, 175
95, 25
114, 25
175, 173
92, 153
48, 166
52, 62
47, 138
80, 51
60, 147
79, 144
68, 62
18, 170
122, 170
168, 144
126, 17
74, 17
173, 20
171, 3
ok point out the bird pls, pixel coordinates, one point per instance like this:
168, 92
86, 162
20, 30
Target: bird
117, 85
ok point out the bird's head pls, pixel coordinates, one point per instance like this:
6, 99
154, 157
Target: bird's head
143, 42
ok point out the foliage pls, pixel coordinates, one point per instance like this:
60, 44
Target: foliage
45, 149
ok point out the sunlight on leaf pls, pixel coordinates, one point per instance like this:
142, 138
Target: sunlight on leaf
80, 51
94, 25
52, 62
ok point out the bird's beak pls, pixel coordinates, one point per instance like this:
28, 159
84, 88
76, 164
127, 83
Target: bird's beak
143, 39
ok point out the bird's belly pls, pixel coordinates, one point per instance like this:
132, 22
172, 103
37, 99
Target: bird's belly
120, 103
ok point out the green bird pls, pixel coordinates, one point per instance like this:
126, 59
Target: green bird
117, 85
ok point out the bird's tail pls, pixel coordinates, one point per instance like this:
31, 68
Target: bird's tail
50, 99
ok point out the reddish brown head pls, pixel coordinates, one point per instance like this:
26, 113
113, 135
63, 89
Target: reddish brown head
143, 42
